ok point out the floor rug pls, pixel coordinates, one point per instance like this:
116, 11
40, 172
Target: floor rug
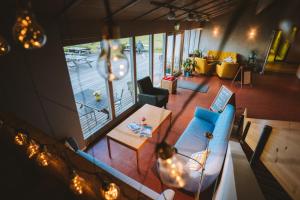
192, 86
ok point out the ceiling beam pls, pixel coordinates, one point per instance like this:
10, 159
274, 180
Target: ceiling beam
124, 7
68, 7
185, 5
150, 11
223, 3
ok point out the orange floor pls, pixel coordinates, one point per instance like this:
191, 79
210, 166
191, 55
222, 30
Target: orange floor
270, 97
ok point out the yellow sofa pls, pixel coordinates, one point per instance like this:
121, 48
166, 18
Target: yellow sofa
221, 55
225, 69
202, 67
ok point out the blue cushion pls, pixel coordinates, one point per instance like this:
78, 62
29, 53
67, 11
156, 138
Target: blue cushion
193, 138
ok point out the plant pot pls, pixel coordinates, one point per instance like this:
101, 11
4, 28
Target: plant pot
187, 74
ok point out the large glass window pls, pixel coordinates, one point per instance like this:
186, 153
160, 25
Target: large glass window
177, 49
158, 64
124, 89
170, 43
142, 56
191, 41
89, 88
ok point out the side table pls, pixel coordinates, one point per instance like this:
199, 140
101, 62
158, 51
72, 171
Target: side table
245, 76
169, 85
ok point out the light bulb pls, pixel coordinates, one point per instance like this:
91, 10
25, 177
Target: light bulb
77, 183
176, 26
28, 32
21, 139
43, 157
171, 170
32, 149
112, 64
4, 46
110, 191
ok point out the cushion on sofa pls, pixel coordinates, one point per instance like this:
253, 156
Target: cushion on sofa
193, 139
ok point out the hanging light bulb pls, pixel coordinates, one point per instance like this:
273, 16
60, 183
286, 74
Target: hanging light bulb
176, 26
171, 170
28, 32
21, 138
110, 191
112, 63
32, 149
43, 157
4, 46
77, 183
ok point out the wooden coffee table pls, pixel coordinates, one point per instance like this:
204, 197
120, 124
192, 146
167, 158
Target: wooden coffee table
155, 117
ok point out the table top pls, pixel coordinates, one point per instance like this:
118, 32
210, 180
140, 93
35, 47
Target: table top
87, 98
155, 116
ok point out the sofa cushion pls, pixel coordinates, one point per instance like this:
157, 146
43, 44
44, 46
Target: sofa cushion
193, 138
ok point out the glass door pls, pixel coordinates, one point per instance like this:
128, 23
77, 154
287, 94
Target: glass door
173, 53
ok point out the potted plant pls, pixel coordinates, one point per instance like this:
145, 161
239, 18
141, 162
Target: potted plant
198, 53
97, 95
188, 66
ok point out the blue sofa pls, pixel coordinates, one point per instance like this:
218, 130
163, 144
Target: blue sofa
193, 140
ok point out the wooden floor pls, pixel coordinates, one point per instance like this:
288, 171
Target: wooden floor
270, 97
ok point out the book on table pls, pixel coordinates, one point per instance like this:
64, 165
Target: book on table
141, 130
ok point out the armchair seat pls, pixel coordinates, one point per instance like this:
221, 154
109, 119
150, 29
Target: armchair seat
227, 70
151, 95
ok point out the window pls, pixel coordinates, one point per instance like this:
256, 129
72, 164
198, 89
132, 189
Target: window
142, 56
177, 49
89, 88
191, 41
158, 64
170, 44
124, 89
92, 92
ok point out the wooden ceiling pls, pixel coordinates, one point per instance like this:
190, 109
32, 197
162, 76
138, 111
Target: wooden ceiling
133, 10
123, 10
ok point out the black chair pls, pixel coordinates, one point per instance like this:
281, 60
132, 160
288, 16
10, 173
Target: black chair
152, 95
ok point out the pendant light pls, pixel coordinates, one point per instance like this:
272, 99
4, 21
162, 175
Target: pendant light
170, 168
27, 31
112, 63
4, 46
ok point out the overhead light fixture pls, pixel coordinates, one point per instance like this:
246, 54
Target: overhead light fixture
112, 63
252, 34
171, 15
4, 46
27, 31
190, 17
177, 26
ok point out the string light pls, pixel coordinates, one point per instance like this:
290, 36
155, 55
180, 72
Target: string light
112, 63
4, 46
21, 139
33, 148
43, 157
77, 183
28, 32
110, 191
171, 169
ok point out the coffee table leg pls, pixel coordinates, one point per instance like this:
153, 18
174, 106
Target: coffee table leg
108, 145
137, 161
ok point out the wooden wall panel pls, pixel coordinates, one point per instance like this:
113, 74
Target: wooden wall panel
281, 154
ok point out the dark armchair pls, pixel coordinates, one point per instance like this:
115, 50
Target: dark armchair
152, 95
